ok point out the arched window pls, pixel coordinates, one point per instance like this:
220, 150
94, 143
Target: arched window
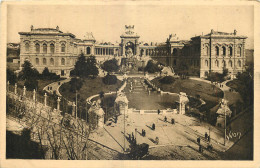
63, 47
88, 50
206, 63
230, 51
240, 51
44, 46
52, 48
174, 62
239, 63
224, 63
146, 52
37, 61
217, 50
174, 52
27, 46
52, 61
44, 61
230, 63
37, 48
216, 63
207, 50
62, 61
224, 50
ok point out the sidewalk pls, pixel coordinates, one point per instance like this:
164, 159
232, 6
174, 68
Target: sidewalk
55, 86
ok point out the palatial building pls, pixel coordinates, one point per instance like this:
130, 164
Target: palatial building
52, 48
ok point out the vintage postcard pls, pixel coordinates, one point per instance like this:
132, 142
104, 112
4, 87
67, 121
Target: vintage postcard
138, 83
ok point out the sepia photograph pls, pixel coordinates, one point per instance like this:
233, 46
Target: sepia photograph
129, 81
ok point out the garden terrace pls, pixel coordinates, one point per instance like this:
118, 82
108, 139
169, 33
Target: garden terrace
89, 88
207, 92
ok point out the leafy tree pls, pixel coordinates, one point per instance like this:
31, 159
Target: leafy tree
31, 84
11, 77
46, 74
152, 67
28, 72
91, 67
110, 79
85, 67
110, 65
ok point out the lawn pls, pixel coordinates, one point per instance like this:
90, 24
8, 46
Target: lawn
90, 87
209, 93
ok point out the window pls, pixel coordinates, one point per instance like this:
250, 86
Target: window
37, 48
52, 61
44, 48
230, 51
44, 61
52, 48
207, 50
230, 64
27, 46
37, 61
174, 52
206, 63
216, 63
174, 62
224, 63
217, 50
88, 50
62, 61
224, 50
239, 63
63, 47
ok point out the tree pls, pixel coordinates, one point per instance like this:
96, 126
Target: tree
110, 65
28, 72
80, 69
110, 79
11, 77
152, 67
85, 68
46, 74
91, 67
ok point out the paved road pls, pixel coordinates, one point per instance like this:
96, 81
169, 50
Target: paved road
55, 86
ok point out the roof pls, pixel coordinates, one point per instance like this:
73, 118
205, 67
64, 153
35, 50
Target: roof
220, 34
47, 31
89, 37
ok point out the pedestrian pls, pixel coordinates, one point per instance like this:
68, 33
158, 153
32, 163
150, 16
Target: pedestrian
165, 119
144, 133
158, 111
209, 138
206, 135
198, 140
153, 126
173, 121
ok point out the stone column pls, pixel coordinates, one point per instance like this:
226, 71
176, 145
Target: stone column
7, 86
34, 95
58, 104
24, 91
73, 109
15, 88
45, 99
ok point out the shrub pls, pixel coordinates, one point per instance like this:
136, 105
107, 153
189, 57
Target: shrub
46, 74
31, 84
110, 79
110, 65
152, 67
167, 80
11, 77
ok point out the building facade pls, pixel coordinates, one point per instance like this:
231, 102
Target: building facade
48, 47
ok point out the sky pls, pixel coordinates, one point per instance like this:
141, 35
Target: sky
153, 23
